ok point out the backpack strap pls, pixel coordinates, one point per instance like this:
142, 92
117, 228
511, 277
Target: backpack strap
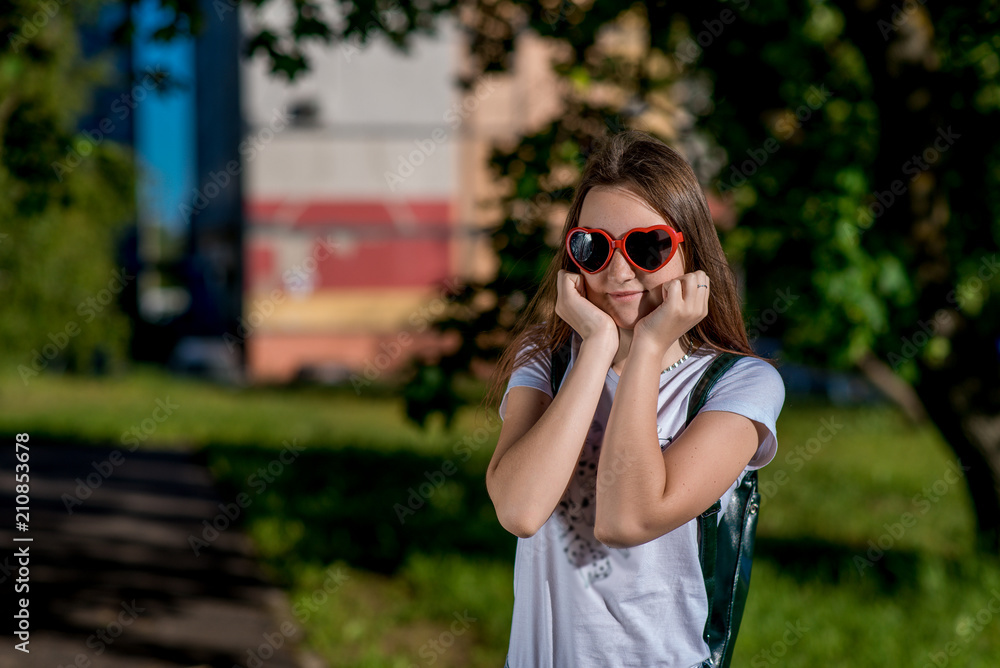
725, 549
560, 361
711, 375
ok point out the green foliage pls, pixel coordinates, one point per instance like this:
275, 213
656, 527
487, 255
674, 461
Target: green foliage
65, 198
357, 22
839, 207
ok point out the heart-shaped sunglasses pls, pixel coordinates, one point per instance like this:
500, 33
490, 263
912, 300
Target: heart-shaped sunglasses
646, 248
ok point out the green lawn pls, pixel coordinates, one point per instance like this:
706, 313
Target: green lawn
830, 496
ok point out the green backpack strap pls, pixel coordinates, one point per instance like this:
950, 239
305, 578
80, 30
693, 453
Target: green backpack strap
726, 547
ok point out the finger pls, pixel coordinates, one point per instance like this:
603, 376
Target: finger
663, 291
675, 291
707, 290
572, 281
688, 282
703, 280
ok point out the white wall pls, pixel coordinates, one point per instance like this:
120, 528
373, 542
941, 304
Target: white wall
373, 103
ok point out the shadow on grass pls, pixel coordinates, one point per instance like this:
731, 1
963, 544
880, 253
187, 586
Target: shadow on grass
367, 508
810, 559
373, 510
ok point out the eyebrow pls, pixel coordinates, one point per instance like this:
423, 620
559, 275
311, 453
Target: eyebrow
626, 231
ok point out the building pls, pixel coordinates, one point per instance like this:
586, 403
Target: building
361, 191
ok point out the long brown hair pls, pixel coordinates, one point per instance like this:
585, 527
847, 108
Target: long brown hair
639, 162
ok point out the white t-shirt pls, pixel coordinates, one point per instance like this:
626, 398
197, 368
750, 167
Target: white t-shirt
580, 603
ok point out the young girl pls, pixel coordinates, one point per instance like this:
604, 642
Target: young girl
602, 484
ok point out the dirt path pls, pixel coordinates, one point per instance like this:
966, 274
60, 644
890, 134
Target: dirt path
114, 580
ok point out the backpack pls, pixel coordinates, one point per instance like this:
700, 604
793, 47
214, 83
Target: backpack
726, 548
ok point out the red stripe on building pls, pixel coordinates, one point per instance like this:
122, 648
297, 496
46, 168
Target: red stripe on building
384, 263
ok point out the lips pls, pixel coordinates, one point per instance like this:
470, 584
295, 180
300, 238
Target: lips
626, 296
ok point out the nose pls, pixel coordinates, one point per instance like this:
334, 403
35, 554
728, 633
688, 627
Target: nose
619, 268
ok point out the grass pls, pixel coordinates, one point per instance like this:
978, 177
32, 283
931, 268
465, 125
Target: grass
863, 547
105, 409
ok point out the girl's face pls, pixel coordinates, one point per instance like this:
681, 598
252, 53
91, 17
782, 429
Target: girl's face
625, 293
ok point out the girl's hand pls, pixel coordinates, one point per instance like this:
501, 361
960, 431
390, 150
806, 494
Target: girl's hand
684, 306
579, 312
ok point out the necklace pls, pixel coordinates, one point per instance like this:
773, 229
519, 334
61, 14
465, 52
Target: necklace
678, 362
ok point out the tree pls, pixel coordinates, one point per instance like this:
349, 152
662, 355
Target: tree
346, 23
65, 196
854, 140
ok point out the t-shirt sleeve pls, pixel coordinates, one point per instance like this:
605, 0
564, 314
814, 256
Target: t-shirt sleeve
753, 388
536, 373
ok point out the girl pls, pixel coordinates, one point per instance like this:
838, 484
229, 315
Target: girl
602, 485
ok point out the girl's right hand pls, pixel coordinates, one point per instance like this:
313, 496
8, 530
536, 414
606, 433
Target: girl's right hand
579, 312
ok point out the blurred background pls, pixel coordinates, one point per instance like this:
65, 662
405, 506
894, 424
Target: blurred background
258, 259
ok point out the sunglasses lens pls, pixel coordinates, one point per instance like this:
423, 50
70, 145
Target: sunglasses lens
589, 250
649, 250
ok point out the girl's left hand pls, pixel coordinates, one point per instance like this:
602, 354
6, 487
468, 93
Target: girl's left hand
684, 306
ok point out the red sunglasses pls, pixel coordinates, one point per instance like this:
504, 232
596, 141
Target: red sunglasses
646, 248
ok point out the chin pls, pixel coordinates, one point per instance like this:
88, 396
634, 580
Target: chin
626, 317
626, 320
